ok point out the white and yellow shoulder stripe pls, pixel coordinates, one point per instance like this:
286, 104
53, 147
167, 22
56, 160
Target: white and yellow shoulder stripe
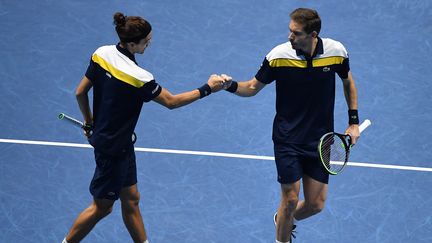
120, 66
285, 56
334, 53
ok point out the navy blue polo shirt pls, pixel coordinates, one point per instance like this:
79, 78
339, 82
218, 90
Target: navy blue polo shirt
305, 89
120, 87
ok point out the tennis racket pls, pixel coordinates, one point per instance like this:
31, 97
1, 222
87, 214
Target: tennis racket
334, 149
80, 124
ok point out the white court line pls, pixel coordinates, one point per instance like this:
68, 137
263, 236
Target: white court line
217, 154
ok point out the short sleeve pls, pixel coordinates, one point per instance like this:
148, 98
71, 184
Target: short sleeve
150, 90
91, 71
344, 69
266, 73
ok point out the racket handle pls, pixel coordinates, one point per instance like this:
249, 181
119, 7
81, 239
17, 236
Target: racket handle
63, 116
364, 125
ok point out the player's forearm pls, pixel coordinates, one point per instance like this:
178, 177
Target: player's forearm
183, 99
84, 105
171, 101
165, 98
350, 92
81, 94
246, 89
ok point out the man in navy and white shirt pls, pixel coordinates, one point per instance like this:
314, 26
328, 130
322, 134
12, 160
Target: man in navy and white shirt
304, 69
120, 87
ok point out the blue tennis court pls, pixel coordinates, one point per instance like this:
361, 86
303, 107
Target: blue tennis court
205, 171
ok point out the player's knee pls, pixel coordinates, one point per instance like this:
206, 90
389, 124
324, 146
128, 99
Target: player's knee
290, 195
102, 210
131, 203
289, 203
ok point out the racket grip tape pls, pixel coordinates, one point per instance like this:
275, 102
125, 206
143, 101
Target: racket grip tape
63, 116
364, 125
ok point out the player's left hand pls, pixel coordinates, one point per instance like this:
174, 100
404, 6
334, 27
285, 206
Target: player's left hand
227, 81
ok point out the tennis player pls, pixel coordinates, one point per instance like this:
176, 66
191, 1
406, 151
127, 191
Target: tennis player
304, 69
120, 87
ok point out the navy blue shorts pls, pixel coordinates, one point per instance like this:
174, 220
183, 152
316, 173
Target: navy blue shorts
295, 160
113, 173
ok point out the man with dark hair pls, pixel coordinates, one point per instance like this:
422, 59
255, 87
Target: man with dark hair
304, 69
120, 87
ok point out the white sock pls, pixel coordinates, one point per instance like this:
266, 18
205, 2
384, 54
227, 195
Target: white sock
281, 241
146, 241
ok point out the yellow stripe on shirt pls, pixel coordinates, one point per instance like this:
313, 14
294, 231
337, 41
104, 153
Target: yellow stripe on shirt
284, 62
124, 77
327, 61
321, 62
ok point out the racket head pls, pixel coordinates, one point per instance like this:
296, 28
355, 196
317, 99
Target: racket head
333, 149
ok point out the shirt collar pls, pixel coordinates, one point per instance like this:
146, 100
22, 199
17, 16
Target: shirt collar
319, 49
125, 52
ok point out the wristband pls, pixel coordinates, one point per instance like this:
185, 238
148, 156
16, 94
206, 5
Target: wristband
204, 90
233, 87
353, 117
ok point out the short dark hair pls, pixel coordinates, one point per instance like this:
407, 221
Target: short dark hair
131, 28
307, 17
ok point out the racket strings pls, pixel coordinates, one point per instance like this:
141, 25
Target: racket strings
333, 152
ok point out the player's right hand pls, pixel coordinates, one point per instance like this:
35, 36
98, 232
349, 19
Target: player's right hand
88, 129
215, 82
